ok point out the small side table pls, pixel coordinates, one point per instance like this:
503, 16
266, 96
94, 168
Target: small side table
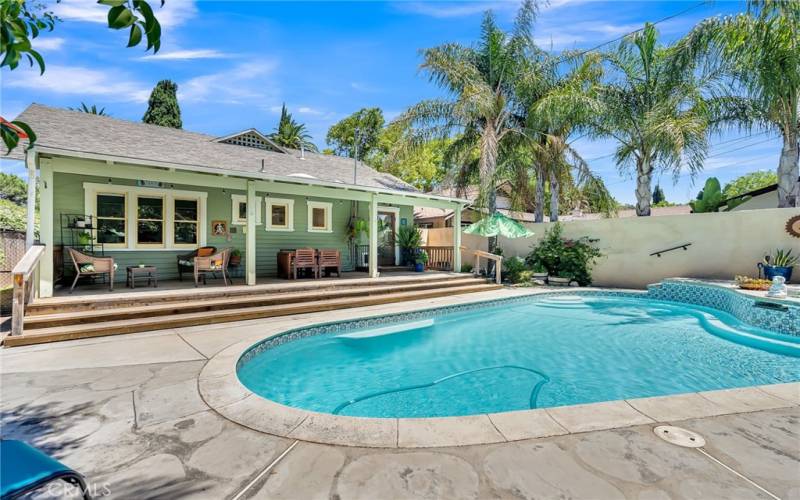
137, 272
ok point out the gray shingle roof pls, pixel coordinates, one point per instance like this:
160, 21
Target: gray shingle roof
81, 132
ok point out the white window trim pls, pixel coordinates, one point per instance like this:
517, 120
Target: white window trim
200, 224
91, 190
289, 203
163, 244
236, 199
112, 191
311, 205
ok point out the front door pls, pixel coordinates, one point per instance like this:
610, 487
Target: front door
386, 239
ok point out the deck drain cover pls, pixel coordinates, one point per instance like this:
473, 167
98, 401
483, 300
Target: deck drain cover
679, 436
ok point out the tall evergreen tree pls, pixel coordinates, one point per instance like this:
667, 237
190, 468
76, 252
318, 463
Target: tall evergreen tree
162, 108
658, 195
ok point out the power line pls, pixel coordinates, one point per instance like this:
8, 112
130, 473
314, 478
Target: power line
673, 16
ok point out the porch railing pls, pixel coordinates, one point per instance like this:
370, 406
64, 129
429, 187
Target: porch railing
25, 288
439, 258
498, 264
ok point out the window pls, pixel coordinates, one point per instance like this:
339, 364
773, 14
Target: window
186, 220
239, 209
319, 217
150, 221
111, 219
280, 215
146, 218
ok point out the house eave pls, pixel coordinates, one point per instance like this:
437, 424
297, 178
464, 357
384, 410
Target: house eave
55, 151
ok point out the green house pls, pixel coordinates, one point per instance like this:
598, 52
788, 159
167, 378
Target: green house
151, 193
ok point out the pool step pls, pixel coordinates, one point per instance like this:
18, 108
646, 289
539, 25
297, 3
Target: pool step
223, 303
141, 322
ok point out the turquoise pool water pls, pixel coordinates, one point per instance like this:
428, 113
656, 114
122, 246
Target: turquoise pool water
550, 351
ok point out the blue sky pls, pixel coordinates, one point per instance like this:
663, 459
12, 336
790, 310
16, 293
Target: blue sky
237, 62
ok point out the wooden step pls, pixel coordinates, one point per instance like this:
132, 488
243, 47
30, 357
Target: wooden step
117, 327
205, 305
151, 297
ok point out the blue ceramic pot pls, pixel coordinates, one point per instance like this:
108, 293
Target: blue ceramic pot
772, 271
419, 267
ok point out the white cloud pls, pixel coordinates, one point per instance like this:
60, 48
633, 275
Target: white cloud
306, 110
47, 43
76, 80
246, 83
185, 54
443, 10
173, 13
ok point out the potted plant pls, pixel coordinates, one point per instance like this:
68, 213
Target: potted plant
539, 271
236, 258
562, 278
564, 258
420, 261
513, 267
409, 239
778, 264
84, 238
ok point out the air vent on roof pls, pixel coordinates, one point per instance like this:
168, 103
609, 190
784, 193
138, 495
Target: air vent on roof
304, 176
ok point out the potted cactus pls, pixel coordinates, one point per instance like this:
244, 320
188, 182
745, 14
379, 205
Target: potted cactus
778, 264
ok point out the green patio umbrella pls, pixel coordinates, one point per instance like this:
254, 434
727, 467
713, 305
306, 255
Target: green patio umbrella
499, 225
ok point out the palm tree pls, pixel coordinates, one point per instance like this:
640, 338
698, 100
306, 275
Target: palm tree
761, 50
479, 113
658, 116
291, 134
92, 110
558, 104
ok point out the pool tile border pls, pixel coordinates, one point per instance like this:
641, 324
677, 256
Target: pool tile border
221, 389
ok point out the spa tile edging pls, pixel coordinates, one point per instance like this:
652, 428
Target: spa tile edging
731, 301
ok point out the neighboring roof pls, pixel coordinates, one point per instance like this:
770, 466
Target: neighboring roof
755, 192
432, 213
74, 132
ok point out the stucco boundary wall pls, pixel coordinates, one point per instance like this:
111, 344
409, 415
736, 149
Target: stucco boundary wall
722, 245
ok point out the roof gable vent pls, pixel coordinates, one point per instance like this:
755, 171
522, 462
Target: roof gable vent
251, 138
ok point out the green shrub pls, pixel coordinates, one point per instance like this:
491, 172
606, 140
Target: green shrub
564, 258
467, 268
513, 267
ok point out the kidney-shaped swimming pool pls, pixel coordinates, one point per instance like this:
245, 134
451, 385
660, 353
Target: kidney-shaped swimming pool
552, 350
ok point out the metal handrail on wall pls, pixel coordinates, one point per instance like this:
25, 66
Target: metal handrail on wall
24, 288
685, 246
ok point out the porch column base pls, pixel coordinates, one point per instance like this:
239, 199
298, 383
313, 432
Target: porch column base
373, 237
250, 250
457, 239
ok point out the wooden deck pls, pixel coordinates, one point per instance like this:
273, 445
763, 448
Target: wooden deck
98, 312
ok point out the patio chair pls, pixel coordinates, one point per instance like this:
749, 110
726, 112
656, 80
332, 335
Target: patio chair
305, 258
329, 260
25, 469
212, 264
89, 265
186, 261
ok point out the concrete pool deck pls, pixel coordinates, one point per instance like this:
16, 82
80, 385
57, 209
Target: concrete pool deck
127, 411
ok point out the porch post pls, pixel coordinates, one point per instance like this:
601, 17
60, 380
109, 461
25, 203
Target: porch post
457, 239
30, 162
46, 235
373, 237
250, 250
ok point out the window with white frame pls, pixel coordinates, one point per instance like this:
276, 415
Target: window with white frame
239, 209
320, 215
186, 219
111, 215
150, 221
280, 214
142, 218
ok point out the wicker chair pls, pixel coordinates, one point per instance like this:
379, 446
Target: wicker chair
330, 260
89, 265
212, 265
305, 258
186, 261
